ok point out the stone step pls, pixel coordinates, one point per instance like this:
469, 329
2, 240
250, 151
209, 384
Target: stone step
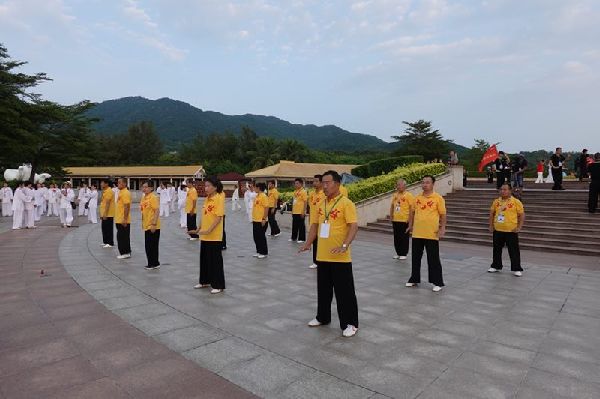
574, 217
538, 210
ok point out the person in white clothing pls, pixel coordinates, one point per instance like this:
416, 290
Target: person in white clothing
53, 193
82, 199
46, 196
93, 205
67, 195
6, 198
249, 197
171, 191
549, 178
18, 206
235, 199
29, 209
165, 199
38, 200
181, 198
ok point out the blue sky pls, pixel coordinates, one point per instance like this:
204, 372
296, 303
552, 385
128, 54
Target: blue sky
522, 72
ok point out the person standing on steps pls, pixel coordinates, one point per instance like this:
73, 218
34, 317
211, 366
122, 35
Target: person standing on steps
273, 198
191, 201
123, 220
299, 211
107, 214
540, 172
314, 200
507, 216
428, 225
335, 225
556, 164
150, 208
211, 232
593, 171
260, 216
502, 167
401, 207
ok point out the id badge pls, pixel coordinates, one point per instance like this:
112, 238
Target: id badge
397, 208
560, 164
500, 218
294, 201
324, 231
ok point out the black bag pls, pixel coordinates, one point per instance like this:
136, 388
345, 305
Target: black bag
73, 205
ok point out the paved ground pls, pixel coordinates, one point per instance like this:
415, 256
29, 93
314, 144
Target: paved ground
484, 336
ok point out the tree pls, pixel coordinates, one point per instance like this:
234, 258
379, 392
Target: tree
419, 139
266, 153
293, 150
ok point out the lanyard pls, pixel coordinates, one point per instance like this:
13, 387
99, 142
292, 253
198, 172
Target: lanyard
331, 209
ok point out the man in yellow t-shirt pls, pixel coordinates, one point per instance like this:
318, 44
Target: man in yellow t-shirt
260, 215
315, 198
401, 206
299, 211
191, 201
123, 220
107, 214
150, 208
507, 216
428, 225
273, 198
335, 224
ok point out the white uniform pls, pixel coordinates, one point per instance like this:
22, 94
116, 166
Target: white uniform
171, 191
93, 207
249, 197
38, 200
18, 207
66, 210
235, 200
53, 198
165, 198
6, 197
29, 210
83, 197
46, 192
181, 198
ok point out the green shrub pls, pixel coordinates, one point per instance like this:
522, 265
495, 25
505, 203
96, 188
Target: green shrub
385, 165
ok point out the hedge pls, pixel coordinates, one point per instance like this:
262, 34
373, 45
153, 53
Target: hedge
385, 165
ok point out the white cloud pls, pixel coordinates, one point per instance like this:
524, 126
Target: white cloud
134, 11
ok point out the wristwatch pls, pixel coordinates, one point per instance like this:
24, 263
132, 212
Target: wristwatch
345, 246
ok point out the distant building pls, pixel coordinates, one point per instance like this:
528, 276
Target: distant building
286, 171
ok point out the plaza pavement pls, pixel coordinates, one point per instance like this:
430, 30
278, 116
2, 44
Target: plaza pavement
483, 336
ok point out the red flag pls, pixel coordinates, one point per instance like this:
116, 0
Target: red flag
490, 155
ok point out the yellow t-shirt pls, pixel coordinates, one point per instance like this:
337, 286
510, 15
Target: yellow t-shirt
124, 198
300, 198
341, 212
402, 204
427, 216
314, 200
258, 210
343, 191
108, 197
506, 213
190, 199
213, 208
273, 197
149, 205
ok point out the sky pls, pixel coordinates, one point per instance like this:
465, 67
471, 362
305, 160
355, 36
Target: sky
525, 73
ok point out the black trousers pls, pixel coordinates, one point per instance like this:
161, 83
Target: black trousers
334, 277
273, 222
224, 242
211, 264
501, 178
434, 265
108, 231
401, 238
191, 224
315, 246
123, 240
593, 196
260, 239
298, 228
511, 240
151, 241
558, 178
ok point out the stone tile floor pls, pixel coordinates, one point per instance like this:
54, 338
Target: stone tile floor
484, 336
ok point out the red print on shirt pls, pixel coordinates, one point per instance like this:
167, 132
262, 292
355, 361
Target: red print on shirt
334, 214
209, 209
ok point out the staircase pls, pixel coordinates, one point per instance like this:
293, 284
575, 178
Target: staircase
555, 221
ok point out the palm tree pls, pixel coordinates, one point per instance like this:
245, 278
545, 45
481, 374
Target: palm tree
293, 150
266, 153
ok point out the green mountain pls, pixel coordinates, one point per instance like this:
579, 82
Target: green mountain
177, 122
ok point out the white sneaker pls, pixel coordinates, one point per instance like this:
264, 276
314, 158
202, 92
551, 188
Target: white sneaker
410, 285
193, 239
396, 257
277, 235
436, 288
198, 286
215, 291
314, 323
313, 266
126, 256
518, 274
299, 241
290, 240
350, 331
261, 256
107, 246
493, 270
402, 257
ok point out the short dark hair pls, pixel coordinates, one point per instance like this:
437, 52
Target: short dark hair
558, 148
500, 152
216, 183
271, 182
299, 180
507, 185
334, 175
150, 183
122, 178
319, 177
261, 186
107, 181
430, 176
190, 180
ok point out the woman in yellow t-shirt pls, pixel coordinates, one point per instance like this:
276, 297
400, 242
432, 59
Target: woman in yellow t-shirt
260, 213
211, 237
150, 207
